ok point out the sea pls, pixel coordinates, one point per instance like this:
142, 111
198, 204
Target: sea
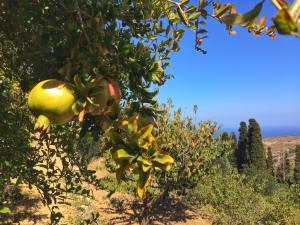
268, 132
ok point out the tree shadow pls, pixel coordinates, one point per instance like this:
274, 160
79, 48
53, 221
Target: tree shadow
167, 211
172, 210
24, 209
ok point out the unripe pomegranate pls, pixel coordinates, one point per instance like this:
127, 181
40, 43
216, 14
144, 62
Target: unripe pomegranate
53, 102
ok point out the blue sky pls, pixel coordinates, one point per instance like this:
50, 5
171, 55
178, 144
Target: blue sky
241, 77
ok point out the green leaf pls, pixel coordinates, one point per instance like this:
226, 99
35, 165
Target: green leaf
201, 31
157, 72
194, 16
144, 137
224, 9
175, 46
115, 137
191, 9
242, 19
182, 16
122, 154
184, 2
147, 93
65, 70
4, 210
133, 123
145, 131
145, 164
79, 85
143, 182
120, 171
284, 22
163, 158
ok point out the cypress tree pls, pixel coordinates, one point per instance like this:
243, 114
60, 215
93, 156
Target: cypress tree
279, 172
287, 166
270, 164
241, 150
225, 136
297, 165
233, 144
255, 146
284, 168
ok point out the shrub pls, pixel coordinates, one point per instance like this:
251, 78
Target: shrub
235, 199
193, 147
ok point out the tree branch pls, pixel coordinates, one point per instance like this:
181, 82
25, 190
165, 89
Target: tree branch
82, 26
276, 4
294, 10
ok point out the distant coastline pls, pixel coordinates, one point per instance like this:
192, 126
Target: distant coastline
268, 132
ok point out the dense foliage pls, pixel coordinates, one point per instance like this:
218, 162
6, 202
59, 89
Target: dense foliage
194, 148
235, 198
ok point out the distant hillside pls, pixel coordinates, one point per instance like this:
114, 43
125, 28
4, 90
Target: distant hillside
282, 144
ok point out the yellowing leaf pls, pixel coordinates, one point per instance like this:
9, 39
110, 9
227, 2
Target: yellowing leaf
162, 167
145, 168
144, 137
133, 123
167, 167
284, 22
143, 182
163, 161
124, 123
242, 19
145, 131
163, 158
157, 72
262, 22
145, 164
121, 154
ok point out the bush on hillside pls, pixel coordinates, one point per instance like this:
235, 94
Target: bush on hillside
235, 199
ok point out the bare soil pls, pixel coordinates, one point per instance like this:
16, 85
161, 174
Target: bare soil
119, 208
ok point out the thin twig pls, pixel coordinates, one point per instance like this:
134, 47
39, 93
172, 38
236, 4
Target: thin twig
82, 26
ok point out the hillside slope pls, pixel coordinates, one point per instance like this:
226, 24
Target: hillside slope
280, 145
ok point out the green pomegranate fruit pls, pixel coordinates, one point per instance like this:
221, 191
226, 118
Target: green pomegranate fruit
53, 102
